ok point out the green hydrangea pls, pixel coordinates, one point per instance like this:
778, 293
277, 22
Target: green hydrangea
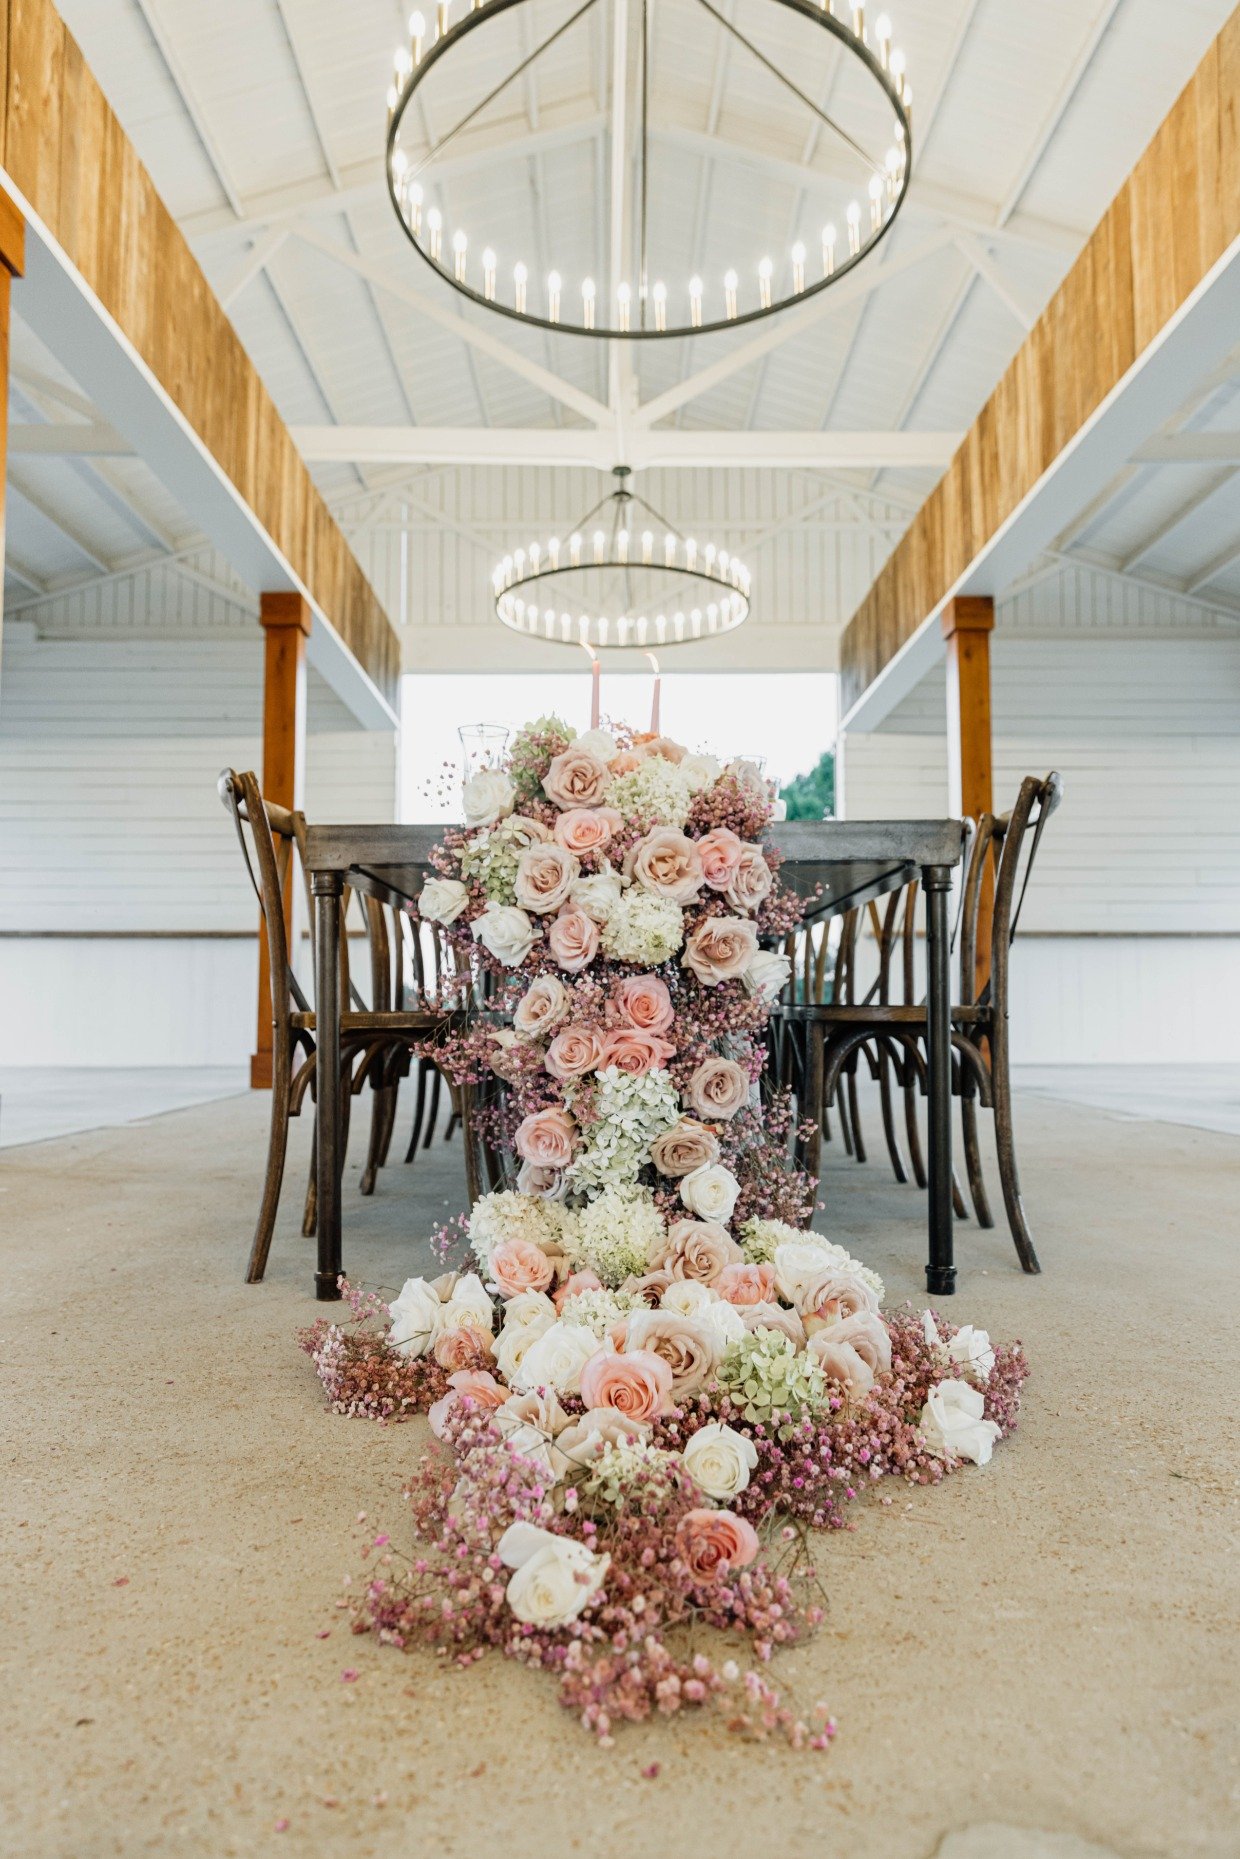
612, 1474
766, 1374
532, 752
492, 856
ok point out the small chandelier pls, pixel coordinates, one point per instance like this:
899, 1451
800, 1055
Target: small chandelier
634, 301
659, 588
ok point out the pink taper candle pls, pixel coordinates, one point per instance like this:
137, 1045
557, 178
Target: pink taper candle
654, 698
595, 669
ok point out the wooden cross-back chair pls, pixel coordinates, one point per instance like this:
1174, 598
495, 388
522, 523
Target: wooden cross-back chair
999, 862
268, 836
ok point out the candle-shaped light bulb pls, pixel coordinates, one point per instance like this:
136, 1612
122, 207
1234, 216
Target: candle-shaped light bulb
400, 166
708, 557
535, 556
766, 272
798, 266
828, 251
417, 32
460, 251
624, 304
403, 62
413, 202
520, 277
854, 227
897, 66
647, 545
488, 275
587, 302
659, 294
442, 11
730, 282
598, 545
554, 285
393, 98
695, 303
574, 550
882, 32
434, 226
690, 553
876, 202
669, 551
858, 16
622, 544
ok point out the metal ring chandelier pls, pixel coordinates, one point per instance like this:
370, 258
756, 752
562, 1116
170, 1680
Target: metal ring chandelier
641, 306
699, 590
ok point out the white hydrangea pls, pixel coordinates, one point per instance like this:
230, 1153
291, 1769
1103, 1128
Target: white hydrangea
508, 1215
599, 1310
656, 793
643, 928
760, 1239
629, 1113
616, 1234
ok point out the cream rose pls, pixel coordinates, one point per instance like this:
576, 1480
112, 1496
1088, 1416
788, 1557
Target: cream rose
685, 1147
718, 1089
766, 974
748, 777
556, 1358
970, 1349
667, 863
711, 1192
774, 1317
441, 900
541, 1182
720, 949
697, 1249
953, 1425
544, 1004
469, 1302
554, 1577
597, 896
415, 1318
686, 1346
573, 940
545, 876
486, 797
701, 771
599, 743
598, 1427
719, 1460
751, 882
506, 932
576, 778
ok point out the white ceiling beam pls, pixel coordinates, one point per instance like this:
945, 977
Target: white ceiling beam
783, 328
1190, 448
249, 265
977, 255
312, 109
1155, 539
930, 359
1218, 565
579, 402
181, 84
16, 567
1059, 109
682, 449
62, 524
68, 440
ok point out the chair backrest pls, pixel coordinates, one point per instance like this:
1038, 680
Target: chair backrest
1018, 834
267, 835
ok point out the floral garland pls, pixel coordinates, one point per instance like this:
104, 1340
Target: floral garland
652, 1378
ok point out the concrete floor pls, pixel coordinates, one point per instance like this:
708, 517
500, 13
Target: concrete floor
1035, 1660
41, 1101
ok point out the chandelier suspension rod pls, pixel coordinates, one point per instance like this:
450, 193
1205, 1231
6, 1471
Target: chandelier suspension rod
874, 167
499, 89
643, 281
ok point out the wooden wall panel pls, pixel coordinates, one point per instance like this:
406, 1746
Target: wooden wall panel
1176, 214
68, 154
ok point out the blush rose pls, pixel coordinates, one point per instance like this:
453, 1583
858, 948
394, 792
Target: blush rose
576, 779
573, 940
720, 949
644, 1001
547, 1138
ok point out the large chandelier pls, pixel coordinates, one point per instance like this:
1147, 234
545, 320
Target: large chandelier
624, 577
639, 298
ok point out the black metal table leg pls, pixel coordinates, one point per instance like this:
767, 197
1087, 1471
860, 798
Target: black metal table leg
327, 887
940, 1266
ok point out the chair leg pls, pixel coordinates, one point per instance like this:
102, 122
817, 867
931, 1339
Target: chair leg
378, 1122
418, 1110
392, 1095
310, 1213
277, 1147
973, 1159
1005, 1143
433, 1114
816, 1068
889, 1122
912, 1123
854, 1114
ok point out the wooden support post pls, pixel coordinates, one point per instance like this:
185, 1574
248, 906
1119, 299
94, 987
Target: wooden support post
968, 622
286, 620
12, 265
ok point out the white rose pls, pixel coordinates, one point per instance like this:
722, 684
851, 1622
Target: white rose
555, 1576
470, 1298
710, 1192
442, 900
687, 1296
507, 932
556, 1359
720, 1459
415, 1317
701, 771
722, 1322
953, 1426
597, 896
796, 1263
749, 777
767, 974
971, 1349
599, 743
486, 797
529, 1310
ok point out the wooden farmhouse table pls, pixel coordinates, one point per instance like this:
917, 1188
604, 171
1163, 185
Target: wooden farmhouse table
853, 861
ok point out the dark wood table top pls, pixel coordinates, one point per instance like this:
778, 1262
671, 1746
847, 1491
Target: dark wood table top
853, 861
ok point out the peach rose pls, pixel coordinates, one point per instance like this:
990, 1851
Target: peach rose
699, 1250
543, 1005
463, 1347
866, 1333
746, 1284
718, 1089
625, 762
634, 1052
577, 1281
751, 882
720, 853
662, 746
667, 863
573, 1052
649, 1287
638, 1384
600, 1426
587, 829
832, 1294
720, 949
644, 1002
576, 779
686, 1146
519, 1265
545, 876
842, 1362
774, 1317
573, 938
547, 1138
470, 1385
684, 1345
712, 1543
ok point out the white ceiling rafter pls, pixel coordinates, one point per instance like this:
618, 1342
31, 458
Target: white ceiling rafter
983, 264
185, 91
1099, 27
14, 565
686, 449
59, 521
249, 265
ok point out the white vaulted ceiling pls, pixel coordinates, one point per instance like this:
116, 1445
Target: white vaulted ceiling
262, 124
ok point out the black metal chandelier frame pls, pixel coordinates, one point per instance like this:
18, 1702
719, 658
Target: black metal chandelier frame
649, 325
